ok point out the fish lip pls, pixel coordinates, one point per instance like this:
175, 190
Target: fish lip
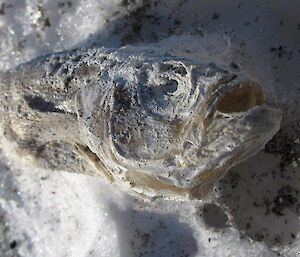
271, 121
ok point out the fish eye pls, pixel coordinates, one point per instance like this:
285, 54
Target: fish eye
241, 98
165, 89
170, 86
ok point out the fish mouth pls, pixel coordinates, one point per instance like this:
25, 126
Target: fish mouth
246, 100
241, 97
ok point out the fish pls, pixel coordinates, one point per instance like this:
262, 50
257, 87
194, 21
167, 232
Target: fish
151, 122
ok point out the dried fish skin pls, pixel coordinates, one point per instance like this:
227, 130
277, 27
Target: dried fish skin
151, 122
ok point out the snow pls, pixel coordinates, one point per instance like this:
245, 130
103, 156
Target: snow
254, 210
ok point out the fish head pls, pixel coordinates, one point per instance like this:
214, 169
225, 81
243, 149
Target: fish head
168, 126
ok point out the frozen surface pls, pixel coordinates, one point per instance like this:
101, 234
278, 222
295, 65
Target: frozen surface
254, 210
